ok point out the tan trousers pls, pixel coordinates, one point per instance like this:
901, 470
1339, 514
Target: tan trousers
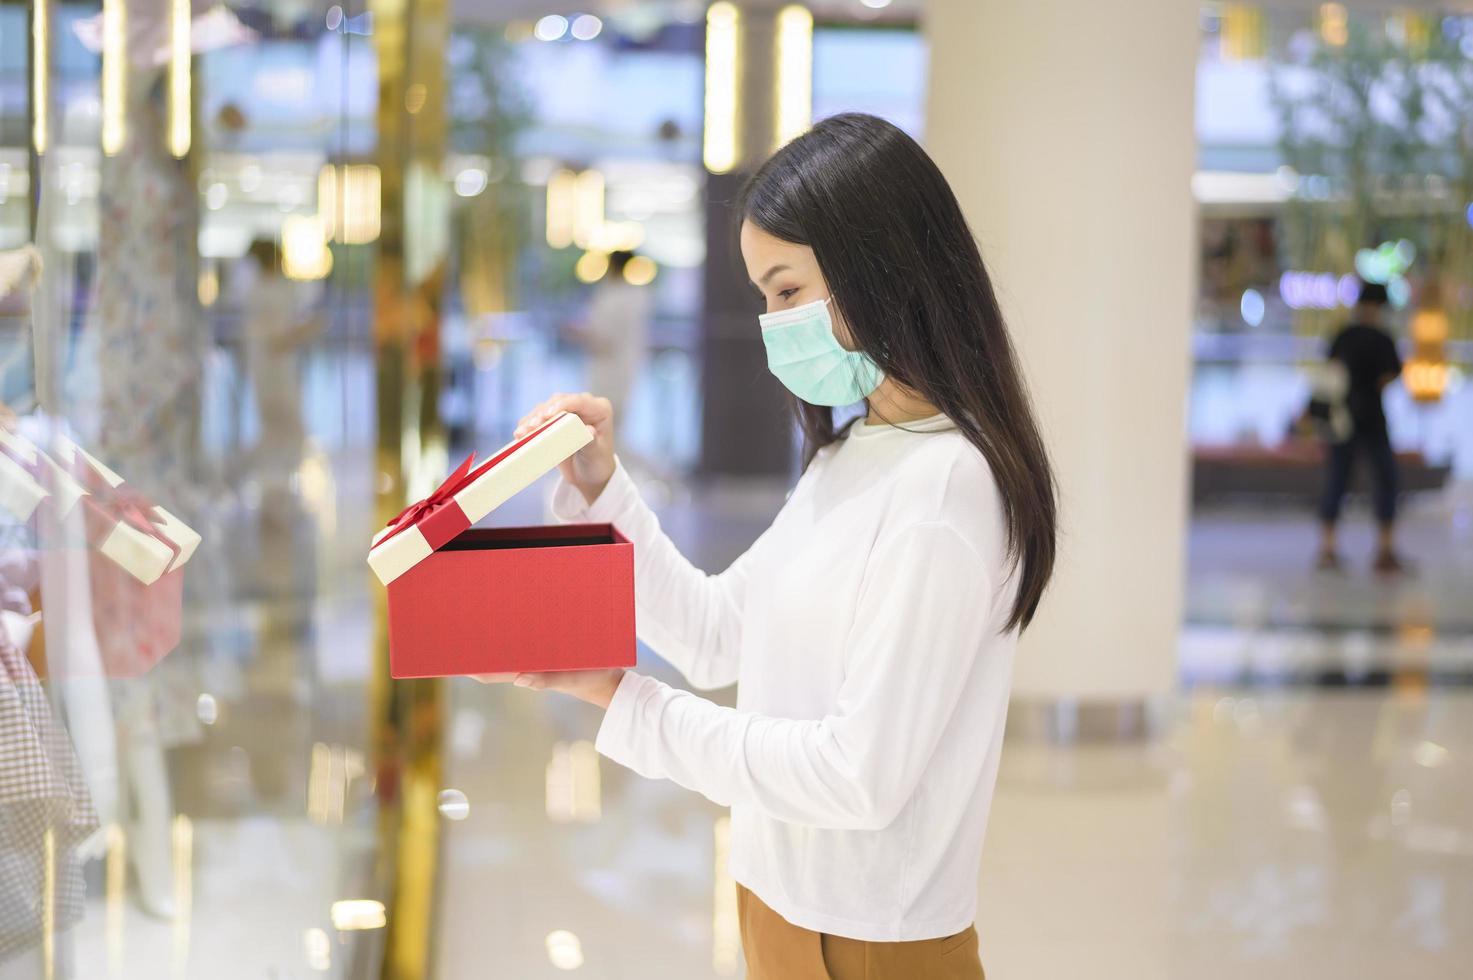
778, 950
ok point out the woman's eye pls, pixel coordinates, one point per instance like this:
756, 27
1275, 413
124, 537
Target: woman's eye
787, 294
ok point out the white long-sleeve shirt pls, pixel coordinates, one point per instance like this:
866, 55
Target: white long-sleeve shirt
863, 629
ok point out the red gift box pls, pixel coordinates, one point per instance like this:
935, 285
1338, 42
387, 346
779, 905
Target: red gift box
466, 600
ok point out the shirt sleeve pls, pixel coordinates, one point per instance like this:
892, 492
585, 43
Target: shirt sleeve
1336, 351
923, 617
1390, 358
690, 618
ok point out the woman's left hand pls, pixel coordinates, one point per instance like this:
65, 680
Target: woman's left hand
594, 686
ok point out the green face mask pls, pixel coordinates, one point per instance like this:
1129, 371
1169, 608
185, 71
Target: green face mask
806, 357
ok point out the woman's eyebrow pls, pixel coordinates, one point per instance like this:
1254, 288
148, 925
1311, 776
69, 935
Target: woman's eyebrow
772, 272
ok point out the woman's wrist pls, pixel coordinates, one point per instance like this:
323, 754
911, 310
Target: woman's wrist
592, 489
596, 687
605, 695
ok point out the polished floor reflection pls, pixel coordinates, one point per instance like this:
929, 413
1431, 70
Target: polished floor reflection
1304, 812
1280, 833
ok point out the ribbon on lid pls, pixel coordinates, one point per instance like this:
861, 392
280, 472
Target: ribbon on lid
26, 463
128, 507
110, 505
435, 521
440, 523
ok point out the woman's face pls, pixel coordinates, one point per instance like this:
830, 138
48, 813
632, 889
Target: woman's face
786, 275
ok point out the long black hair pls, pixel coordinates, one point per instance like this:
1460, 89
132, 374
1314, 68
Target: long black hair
905, 272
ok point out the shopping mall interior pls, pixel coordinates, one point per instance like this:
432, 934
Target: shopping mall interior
280, 265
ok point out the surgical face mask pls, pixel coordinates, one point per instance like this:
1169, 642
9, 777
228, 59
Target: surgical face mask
806, 357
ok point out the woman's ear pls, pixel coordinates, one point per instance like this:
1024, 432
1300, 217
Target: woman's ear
842, 333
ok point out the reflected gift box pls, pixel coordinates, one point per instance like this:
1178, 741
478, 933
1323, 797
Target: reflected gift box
137, 553
29, 478
466, 600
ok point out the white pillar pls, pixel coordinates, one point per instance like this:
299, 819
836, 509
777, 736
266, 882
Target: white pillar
1066, 130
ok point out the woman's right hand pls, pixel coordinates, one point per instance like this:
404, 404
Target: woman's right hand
590, 468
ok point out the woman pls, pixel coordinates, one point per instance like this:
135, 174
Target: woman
872, 627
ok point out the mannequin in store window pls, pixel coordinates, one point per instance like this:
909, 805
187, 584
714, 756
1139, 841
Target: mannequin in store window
276, 326
615, 334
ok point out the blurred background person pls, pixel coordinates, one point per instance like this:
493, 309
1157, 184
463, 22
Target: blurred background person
1371, 362
277, 326
614, 333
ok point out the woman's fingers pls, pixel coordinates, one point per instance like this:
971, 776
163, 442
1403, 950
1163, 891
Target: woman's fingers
544, 411
536, 682
594, 411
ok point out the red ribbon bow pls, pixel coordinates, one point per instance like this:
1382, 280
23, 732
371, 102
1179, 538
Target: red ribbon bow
419, 511
424, 513
109, 505
128, 507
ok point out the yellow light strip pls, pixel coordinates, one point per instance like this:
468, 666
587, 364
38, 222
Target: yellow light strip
588, 207
114, 889
183, 841
726, 933
317, 788
179, 101
560, 208
720, 146
304, 257
794, 84
209, 283
1241, 37
1334, 24
318, 948
362, 208
353, 914
337, 783
114, 75
557, 783
587, 789
40, 75
328, 204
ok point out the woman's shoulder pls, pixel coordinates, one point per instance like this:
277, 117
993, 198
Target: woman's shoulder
948, 481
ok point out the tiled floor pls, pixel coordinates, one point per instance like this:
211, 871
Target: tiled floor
1305, 813
1251, 569
1282, 834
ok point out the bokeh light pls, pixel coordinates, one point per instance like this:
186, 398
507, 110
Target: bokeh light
586, 27
551, 28
591, 267
564, 950
640, 271
453, 805
1252, 307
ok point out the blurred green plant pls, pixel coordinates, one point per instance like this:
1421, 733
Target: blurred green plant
1379, 132
488, 112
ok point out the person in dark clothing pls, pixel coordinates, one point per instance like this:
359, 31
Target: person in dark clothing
1371, 362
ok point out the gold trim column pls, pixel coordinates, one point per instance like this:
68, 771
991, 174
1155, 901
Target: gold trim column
746, 427
410, 37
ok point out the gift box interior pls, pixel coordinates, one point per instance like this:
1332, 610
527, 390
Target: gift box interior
514, 599
503, 538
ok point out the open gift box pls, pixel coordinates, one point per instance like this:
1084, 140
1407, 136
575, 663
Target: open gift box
467, 600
